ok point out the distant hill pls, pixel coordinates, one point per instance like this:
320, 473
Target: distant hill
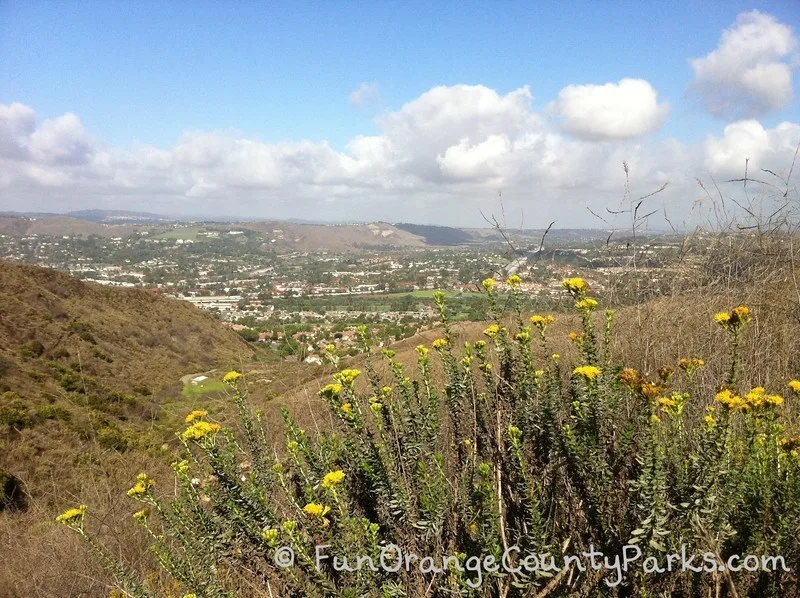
438, 235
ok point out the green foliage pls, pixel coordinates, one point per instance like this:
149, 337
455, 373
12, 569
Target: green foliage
507, 456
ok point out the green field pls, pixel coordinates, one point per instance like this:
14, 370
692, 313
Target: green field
191, 391
187, 234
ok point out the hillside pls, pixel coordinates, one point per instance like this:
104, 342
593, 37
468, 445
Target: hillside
80, 361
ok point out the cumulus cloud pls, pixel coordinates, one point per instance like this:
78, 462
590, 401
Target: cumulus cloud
748, 140
750, 72
439, 158
364, 94
621, 110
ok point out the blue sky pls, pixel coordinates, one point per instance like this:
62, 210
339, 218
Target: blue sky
145, 73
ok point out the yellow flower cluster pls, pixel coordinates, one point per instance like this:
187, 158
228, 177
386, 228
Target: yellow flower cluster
489, 284
514, 281
270, 535
200, 429
523, 337
577, 287
347, 408
542, 322
689, 365
331, 391
347, 377
141, 516
231, 377
142, 486
651, 390
589, 372
422, 350
333, 478
314, 509
755, 399
586, 305
735, 319
795, 386
195, 415
439, 343
72, 516
492, 331
758, 397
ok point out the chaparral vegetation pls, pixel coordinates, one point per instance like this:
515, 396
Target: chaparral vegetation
483, 447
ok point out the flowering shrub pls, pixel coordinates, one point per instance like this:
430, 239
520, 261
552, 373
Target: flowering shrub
505, 453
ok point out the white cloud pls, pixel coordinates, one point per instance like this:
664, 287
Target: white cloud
439, 158
621, 110
366, 93
748, 140
750, 72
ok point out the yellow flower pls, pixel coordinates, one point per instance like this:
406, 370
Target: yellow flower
514, 280
655, 419
651, 390
589, 372
231, 377
741, 314
795, 386
330, 348
314, 509
722, 318
141, 516
347, 377
586, 305
732, 401
542, 322
331, 390
195, 415
347, 408
473, 528
576, 337
270, 535
422, 350
774, 400
666, 402
488, 284
492, 331
576, 286
333, 478
72, 516
439, 343
735, 319
142, 486
523, 337
556, 357
200, 429
690, 365
709, 420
